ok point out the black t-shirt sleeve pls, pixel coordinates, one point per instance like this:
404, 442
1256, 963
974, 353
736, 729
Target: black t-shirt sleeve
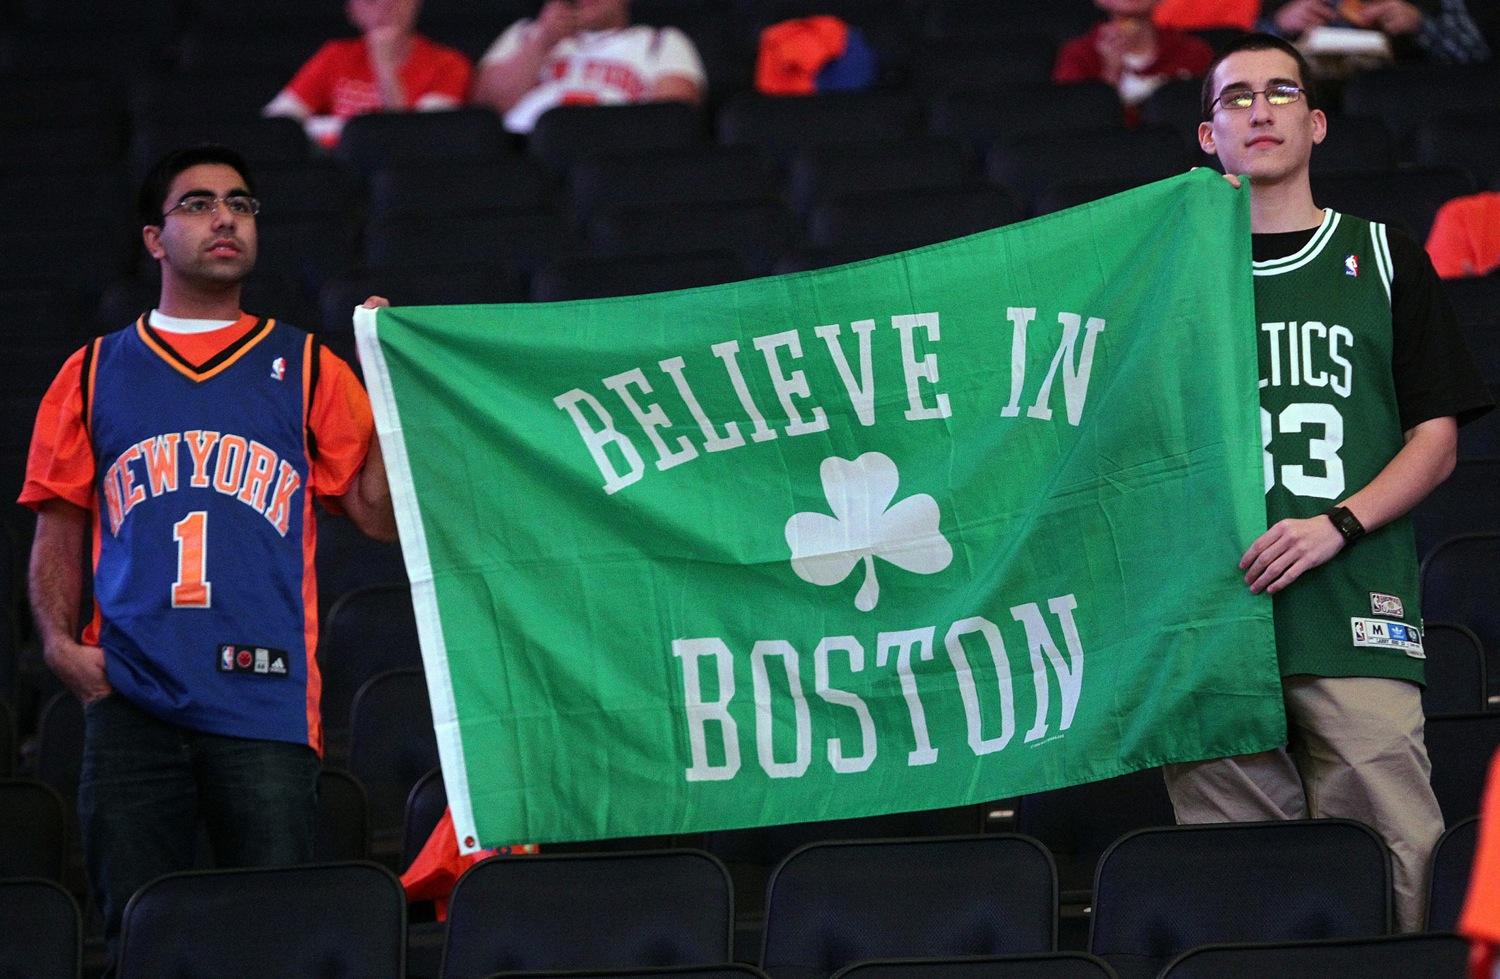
1435, 372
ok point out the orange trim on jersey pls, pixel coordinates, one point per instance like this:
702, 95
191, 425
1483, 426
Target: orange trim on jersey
91, 631
88, 388
309, 569
211, 368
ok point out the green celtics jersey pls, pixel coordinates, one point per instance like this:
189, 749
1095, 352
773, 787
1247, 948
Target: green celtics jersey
1329, 424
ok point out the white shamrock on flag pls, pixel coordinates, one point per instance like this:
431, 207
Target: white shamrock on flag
865, 526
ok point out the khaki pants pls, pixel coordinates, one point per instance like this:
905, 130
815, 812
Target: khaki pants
1355, 751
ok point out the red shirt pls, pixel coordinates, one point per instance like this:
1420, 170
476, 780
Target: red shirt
340, 81
1178, 55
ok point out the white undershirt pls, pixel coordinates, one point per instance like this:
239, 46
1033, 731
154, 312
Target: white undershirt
176, 324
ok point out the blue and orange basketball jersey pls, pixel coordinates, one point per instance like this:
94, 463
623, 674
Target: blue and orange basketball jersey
206, 601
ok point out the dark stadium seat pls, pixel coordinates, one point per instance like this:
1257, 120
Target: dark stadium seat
424, 807
757, 231
43, 931
82, 254
833, 904
1342, 958
982, 115
1040, 965
59, 746
1480, 439
259, 141
588, 911
1028, 166
366, 633
892, 222
1469, 141
735, 970
998, 19
33, 830
317, 188
379, 140
1476, 301
1452, 862
460, 188
1071, 193
596, 278
117, 54
345, 919
347, 559
524, 239
1078, 823
391, 746
271, 15
306, 251
343, 818
281, 50
568, 133
950, 64
1460, 747
1160, 892
1455, 670
1407, 96
1404, 198
56, 99
921, 163
182, 95
782, 126
720, 174
1355, 144
1467, 502
1460, 581
1178, 106
7, 715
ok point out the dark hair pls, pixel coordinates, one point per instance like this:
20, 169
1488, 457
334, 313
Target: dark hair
148, 203
1260, 42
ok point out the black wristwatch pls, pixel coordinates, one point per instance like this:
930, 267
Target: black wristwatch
1347, 523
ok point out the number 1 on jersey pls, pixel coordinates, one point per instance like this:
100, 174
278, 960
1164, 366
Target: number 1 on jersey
191, 589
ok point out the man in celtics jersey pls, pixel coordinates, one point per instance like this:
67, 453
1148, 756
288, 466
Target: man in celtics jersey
182, 454
1364, 380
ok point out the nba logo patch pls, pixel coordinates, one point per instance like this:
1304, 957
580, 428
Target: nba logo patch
1351, 266
278, 368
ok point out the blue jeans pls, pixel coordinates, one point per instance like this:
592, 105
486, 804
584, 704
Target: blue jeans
146, 783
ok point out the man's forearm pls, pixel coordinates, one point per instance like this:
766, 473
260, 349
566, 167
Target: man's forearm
1427, 458
368, 501
56, 571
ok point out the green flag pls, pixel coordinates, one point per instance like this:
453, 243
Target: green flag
937, 528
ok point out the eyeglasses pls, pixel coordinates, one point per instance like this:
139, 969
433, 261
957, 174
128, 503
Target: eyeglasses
198, 205
1239, 99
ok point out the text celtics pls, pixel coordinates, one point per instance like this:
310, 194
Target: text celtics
989, 709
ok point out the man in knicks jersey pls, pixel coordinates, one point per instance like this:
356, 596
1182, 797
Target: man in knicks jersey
184, 453
584, 52
1364, 380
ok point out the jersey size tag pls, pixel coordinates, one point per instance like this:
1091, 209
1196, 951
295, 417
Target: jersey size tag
1386, 605
255, 660
1380, 634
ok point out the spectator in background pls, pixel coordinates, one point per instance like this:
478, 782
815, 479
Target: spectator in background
1131, 53
585, 52
1437, 30
1200, 15
391, 67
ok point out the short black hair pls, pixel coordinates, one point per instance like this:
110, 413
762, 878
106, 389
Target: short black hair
148, 203
1260, 42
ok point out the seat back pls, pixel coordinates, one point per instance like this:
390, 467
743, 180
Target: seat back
391, 743
43, 930
1455, 670
378, 140
830, 905
1460, 747
1044, 965
1390, 955
1460, 578
343, 818
589, 911
567, 133
1452, 862
424, 807
33, 830
1160, 892
368, 632
321, 919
